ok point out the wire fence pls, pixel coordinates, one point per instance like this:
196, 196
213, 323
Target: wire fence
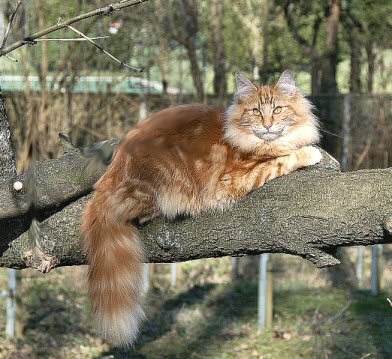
361, 127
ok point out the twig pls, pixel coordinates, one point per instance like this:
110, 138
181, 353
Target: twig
103, 50
317, 333
389, 301
339, 313
76, 39
7, 31
364, 152
366, 356
107, 10
9, 57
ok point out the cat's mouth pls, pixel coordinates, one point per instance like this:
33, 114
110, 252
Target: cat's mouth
268, 135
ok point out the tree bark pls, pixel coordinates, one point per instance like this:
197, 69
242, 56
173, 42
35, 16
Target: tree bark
7, 154
9, 228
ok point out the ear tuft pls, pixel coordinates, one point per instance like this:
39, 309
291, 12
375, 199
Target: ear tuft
245, 87
287, 83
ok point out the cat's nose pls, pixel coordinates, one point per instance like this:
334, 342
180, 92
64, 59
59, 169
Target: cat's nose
267, 125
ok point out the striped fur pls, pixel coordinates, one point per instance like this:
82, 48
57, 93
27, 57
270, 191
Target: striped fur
184, 160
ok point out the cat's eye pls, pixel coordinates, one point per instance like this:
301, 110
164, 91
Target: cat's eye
256, 112
277, 110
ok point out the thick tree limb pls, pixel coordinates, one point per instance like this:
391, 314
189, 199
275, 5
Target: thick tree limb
308, 213
59, 181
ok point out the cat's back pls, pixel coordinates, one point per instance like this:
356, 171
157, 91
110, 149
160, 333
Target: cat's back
193, 127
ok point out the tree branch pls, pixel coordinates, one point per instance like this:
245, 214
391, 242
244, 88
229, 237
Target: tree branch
100, 48
307, 213
58, 181
308, 48
106, 10
73, 39
9, 26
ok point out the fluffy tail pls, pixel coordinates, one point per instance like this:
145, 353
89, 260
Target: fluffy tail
115, 276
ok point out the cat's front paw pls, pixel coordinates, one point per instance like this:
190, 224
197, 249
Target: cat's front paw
309, 155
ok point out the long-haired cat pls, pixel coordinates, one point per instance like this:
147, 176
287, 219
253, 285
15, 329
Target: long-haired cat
184, 160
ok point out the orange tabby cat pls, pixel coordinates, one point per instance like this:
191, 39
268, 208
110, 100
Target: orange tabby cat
184, 160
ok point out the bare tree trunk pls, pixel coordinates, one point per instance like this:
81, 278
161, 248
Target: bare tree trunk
355, 63
330, 59
195, 69
184, 27
315, 76
265, 71
308, 47
371, 57
219, 53
344, 275
164, 49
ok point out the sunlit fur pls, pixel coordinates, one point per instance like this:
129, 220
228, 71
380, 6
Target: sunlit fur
294, 127
184, 160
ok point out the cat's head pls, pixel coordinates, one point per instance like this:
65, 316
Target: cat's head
271, 116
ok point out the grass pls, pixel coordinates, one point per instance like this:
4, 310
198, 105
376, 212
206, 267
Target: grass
206, 316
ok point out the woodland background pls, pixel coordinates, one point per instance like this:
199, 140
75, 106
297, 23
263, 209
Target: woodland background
190, 51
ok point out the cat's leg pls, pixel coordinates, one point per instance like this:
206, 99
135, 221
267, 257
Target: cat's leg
303, 157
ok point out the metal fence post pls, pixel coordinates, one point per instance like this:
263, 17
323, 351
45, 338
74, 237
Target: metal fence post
360, 265
262, 309
11, 304
234, 269
143, 107
376, 270
269, 294
173, 273
146, 275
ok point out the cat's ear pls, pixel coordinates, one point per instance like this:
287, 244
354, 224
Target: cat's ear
286, 83
245, 87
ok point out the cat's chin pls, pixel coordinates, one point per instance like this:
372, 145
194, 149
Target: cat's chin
269, 136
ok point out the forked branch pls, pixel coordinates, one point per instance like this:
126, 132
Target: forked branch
106, 10
100, 48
